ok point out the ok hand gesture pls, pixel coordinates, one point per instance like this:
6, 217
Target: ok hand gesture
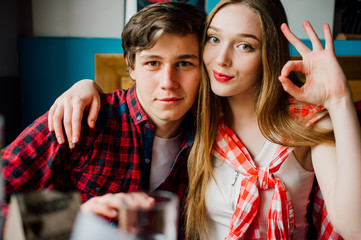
325, 80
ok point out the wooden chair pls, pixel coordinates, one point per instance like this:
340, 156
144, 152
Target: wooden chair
111, 72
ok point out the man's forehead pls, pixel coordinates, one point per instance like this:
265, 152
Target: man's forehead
173, 45
146, 55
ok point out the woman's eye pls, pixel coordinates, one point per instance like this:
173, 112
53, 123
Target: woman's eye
213, 39
246, 47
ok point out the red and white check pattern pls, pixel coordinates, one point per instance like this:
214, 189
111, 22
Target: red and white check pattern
244, 222
320, 218
281, 220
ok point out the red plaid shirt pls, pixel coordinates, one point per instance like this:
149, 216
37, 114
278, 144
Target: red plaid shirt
113, 157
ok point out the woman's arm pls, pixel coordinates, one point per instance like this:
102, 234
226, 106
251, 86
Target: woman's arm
337, 166
69, 107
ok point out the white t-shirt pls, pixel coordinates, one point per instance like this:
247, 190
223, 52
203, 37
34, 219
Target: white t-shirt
222, 196
164, 152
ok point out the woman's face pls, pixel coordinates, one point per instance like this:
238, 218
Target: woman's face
232, 52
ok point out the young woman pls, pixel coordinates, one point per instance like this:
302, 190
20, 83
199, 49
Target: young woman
263, 136
258, 146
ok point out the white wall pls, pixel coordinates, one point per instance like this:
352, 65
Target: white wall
78, 18
317, 12
131, 9
105, 18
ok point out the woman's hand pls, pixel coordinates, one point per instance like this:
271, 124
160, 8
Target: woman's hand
109, 204
325, 80
69, 108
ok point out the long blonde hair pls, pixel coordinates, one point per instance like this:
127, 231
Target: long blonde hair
272, 108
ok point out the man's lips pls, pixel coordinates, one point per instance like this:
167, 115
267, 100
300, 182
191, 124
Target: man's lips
170, 100
221, 77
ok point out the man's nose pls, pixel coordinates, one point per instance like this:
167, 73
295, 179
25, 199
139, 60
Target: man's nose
169, 78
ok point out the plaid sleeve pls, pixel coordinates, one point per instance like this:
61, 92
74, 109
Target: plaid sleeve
322, 224
28, 162
307, 112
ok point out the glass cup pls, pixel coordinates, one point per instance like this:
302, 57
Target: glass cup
160, 222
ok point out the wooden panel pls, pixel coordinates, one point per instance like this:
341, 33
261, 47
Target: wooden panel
351, 66
356, 90
111, 72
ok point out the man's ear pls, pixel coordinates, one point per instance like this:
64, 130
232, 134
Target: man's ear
130, 69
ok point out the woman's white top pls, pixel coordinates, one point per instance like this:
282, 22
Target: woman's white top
222, 194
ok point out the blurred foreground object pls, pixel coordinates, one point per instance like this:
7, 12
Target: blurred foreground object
45, 214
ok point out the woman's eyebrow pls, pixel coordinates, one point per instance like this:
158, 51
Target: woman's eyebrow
244, 35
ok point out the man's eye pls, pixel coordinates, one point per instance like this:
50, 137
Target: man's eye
153, 64
184, 64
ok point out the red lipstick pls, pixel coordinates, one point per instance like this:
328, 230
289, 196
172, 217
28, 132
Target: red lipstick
221, 77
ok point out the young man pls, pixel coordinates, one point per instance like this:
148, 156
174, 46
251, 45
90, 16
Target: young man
141, 138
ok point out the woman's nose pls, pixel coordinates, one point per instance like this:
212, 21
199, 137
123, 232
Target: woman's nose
223, 57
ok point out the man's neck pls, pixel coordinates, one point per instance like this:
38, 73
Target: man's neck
166, 129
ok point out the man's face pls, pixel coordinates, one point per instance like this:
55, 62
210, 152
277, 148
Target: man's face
167, 77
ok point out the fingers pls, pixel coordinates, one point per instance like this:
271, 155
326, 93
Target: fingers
109, 204
328, 38
51, 115
289, 87
77, 117
57, 123
297, 43
93, 111
137, 200
316, 43
290, 66
287, 84
102, 206
68, 109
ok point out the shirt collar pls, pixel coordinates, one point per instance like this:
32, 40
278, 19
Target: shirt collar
135, 109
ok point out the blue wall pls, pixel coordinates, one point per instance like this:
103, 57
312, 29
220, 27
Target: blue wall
211, 4
49, 66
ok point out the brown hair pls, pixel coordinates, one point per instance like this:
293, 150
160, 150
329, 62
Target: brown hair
271, 104
146, 26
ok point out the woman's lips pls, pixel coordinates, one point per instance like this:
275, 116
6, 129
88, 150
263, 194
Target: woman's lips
221, 77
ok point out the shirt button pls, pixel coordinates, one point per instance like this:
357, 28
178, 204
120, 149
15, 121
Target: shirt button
147, 125
147, 160
97, 189
139, 117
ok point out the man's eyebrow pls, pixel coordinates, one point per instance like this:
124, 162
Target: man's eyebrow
152, 56
180, 57
187, 56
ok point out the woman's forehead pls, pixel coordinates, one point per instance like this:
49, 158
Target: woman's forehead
239, 19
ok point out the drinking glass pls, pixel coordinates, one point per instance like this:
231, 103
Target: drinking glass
160, 222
